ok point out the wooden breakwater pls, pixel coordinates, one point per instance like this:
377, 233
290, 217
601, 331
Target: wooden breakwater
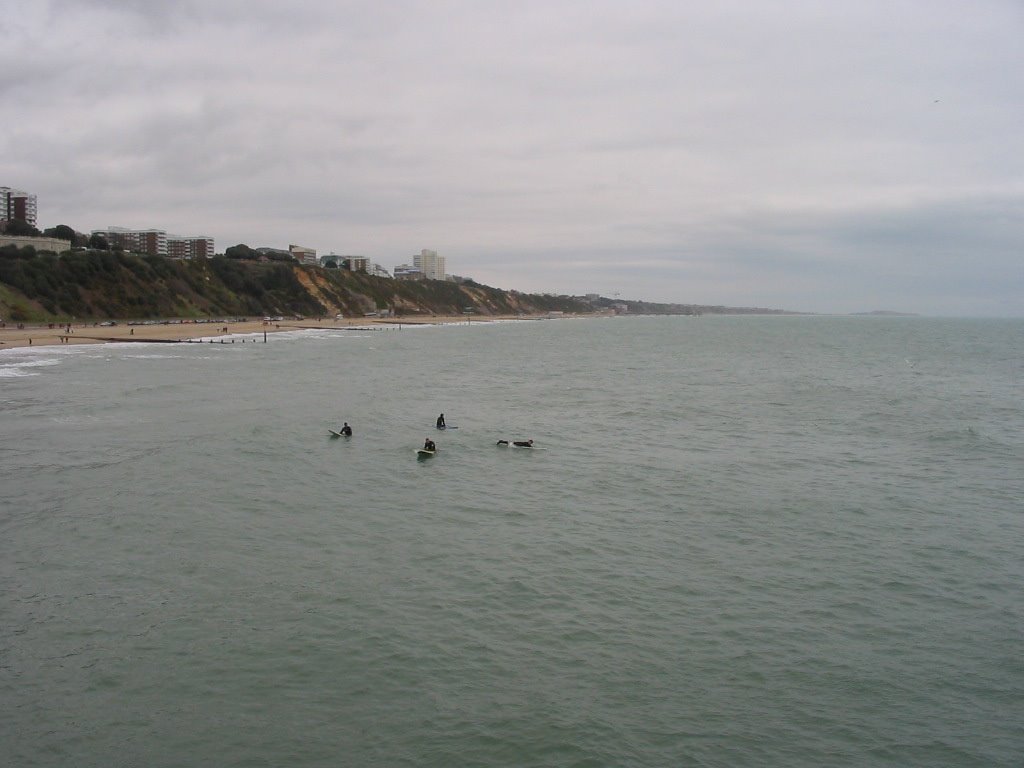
129, 339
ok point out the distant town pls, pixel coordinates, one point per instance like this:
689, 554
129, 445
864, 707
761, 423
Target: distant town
18, 226
19, 233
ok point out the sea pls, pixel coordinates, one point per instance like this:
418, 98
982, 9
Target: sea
738, 541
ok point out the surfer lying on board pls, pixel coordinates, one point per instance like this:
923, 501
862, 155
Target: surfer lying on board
428, 445
346, 430
520, 443
440, 422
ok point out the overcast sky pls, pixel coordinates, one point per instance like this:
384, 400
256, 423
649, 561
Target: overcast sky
817, 155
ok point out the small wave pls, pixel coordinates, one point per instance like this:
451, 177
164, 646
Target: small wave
965, 437
14, 372
38, 363
75, 419
154, 357
23, 368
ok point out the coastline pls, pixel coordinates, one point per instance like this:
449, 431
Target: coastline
184, 331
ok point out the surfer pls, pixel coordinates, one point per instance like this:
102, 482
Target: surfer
523, 443
440, 422
428, 445
346, 430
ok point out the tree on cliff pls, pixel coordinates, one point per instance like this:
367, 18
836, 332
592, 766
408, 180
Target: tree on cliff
241, 251
19, 228
61, 232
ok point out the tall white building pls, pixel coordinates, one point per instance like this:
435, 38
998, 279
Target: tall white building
430, 264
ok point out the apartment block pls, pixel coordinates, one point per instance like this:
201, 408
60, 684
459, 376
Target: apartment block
302, 254
189, 247
16, 205
430, 264
351, 263
408, 272
355, 263
151, 242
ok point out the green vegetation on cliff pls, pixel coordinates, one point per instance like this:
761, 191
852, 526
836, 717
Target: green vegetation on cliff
99, 284
42, 287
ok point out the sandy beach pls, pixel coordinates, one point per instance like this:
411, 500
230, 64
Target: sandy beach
170, 331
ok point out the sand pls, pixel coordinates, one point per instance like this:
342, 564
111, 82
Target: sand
13, 337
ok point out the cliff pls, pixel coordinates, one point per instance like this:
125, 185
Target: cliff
39, 287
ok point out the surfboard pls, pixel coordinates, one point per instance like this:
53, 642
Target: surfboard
447, 427
509, 443
423, 453
337, 434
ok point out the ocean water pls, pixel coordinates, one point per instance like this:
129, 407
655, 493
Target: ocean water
776, 541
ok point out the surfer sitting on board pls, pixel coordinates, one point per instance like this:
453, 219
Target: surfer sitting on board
428, 445
440, 422
346, 430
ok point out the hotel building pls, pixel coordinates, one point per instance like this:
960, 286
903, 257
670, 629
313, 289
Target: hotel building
193, 247
156, 242
16, 205
152, 242
430, 264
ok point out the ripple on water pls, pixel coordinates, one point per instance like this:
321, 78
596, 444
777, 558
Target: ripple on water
749, 542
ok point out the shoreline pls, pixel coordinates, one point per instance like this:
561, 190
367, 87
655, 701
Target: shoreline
185, 331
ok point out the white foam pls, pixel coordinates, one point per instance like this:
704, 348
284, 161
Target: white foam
12, 368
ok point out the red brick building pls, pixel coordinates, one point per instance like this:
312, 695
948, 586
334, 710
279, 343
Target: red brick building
16, 205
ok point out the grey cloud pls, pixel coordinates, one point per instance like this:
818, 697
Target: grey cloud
787, 154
